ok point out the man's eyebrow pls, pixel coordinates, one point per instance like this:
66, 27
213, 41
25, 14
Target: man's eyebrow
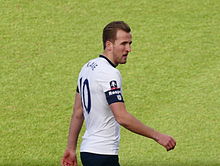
125, 42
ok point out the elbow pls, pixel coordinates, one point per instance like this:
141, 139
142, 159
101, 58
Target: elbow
79, 117
120, 113
78, 114
122, 121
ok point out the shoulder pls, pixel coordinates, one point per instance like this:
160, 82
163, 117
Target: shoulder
107, 70
100, 67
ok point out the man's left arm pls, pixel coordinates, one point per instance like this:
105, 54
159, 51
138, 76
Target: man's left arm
128, 121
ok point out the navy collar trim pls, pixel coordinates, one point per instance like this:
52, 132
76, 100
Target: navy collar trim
101, 56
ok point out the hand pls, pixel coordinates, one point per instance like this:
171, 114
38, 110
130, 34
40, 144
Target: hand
166, 141
69, 158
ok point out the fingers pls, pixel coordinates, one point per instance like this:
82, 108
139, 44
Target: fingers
75, 164
171, 144
166, 141
69, 158
68, 163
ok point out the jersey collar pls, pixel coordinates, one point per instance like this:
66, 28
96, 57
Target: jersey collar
101, 56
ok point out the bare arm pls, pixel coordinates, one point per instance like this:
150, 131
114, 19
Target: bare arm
131, 123
76, 123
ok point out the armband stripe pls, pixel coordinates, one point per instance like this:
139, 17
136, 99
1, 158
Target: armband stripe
113, 96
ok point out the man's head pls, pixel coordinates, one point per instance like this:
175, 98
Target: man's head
117, 41
110, 31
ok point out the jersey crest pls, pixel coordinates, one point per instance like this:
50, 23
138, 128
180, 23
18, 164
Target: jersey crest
113, 85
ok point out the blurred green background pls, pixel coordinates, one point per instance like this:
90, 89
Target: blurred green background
171, 81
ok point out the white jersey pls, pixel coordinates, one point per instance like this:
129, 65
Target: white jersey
99, 85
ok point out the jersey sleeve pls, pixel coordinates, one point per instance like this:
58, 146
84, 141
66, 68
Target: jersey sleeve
112, 87
77, 89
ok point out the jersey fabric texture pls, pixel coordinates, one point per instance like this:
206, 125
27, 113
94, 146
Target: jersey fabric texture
99, 85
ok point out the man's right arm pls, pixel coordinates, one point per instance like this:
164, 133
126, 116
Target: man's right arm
77, 119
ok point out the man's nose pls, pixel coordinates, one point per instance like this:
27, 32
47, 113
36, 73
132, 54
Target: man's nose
129, 48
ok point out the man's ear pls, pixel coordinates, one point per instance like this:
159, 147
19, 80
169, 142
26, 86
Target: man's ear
109, 45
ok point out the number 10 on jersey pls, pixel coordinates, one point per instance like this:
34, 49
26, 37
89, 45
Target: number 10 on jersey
85, 94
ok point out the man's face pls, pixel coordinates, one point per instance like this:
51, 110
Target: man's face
121, 47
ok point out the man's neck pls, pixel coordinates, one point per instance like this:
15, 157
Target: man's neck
110, 57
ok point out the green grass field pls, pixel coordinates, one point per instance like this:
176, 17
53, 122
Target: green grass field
171, 81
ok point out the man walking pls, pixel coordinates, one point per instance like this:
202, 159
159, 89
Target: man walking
99, 101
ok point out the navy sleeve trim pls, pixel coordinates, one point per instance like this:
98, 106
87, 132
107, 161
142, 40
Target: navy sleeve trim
77, 89
113, 96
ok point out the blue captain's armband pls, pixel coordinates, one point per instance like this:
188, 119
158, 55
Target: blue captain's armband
113, 96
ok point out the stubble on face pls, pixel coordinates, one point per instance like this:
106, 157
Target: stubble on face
122, 47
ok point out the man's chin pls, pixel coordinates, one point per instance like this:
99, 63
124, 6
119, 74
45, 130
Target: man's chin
123, 62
